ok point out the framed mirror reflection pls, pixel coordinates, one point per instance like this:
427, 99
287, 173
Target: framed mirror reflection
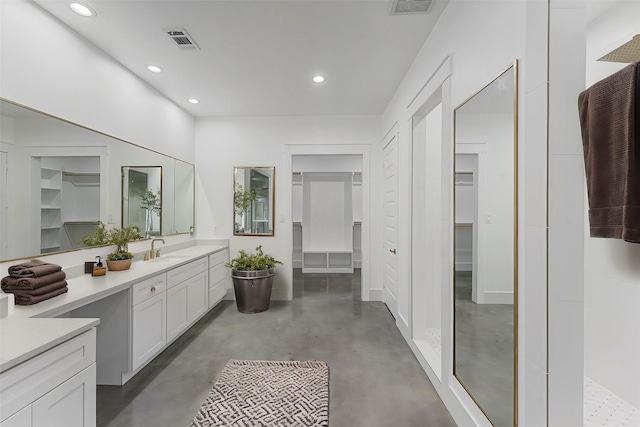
485, 247
253, 201
59, 179
142, 199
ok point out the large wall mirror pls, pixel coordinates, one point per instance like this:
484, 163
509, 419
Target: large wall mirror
253, 201
58, 180
485, 271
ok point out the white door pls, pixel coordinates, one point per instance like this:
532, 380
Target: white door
390, 233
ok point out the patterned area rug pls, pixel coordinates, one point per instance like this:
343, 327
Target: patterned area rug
274, 394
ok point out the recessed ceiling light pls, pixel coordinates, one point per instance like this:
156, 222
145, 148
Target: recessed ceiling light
154, 68
318, 79
193, 100
82, 9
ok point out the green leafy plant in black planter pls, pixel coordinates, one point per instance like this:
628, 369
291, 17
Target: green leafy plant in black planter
121, 258
252, 274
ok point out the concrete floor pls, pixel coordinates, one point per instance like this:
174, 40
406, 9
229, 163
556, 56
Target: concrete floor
375, 381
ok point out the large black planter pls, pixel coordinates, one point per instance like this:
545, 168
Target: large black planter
253, 289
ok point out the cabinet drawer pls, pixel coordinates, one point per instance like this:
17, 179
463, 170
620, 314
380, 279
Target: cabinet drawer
218, 258
180, 274
32, 379
148, 288
217, 274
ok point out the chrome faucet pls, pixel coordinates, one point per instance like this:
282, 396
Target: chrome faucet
152, 253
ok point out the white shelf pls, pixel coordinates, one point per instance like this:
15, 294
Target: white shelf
50, 210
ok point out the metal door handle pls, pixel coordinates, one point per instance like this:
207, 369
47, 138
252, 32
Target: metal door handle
393, 251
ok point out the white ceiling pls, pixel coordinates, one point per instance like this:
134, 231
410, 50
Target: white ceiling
258, 57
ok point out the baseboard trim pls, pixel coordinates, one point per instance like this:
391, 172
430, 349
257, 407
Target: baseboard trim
375, 294
498, 297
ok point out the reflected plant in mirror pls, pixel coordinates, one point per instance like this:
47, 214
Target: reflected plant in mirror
142, 206
485, 247
253, 201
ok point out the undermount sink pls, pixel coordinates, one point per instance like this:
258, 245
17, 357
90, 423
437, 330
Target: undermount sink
169, 257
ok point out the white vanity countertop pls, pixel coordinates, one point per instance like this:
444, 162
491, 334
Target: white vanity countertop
86, 289
23, 336
22, 339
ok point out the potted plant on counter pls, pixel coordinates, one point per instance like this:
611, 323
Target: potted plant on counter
252, 275
121, 258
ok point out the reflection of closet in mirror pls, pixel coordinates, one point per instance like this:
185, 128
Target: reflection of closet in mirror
68, 193
485, 242
28, 135
327, 212
142, 199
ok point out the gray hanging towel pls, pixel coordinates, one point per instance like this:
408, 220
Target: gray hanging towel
610, 122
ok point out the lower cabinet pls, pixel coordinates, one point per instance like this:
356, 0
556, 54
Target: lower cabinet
218, 277
148, 319
149, 332
54, 389
186, 302
19, 419
71, 404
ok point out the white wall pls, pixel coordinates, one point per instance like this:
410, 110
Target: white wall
612, 271
222, 143
46, 66
482, 39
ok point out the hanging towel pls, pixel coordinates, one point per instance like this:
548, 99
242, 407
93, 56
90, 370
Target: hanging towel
9, 283
33, 268
610, 122
26, 299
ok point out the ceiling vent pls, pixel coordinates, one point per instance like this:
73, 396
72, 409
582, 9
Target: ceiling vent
627, 53
403, 7
181, 38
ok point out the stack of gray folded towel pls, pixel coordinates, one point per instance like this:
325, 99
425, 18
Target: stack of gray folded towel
34, 281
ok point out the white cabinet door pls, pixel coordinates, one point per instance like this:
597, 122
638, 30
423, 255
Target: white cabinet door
71, 404
177, 318
197, 297
149, 333
186, 302
19, 419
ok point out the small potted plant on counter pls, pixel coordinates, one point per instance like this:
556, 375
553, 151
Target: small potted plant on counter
252, 275
121, 258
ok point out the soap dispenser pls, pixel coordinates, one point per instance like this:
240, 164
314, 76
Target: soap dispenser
98, 268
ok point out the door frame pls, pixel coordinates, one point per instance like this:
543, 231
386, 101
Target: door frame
364, 150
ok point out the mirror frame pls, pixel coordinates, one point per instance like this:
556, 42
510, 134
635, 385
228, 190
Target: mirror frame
113, 138
272, 195
513, 67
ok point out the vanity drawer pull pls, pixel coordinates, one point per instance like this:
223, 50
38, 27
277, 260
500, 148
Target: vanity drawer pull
153, 289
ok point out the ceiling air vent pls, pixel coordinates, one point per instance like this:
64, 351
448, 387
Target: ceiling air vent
403, 7
181, 38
